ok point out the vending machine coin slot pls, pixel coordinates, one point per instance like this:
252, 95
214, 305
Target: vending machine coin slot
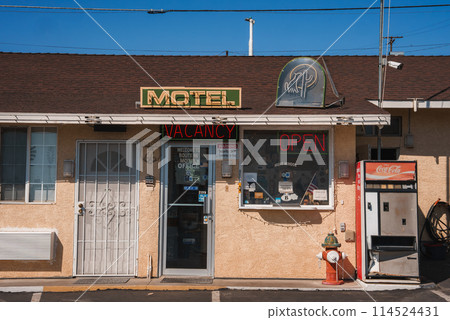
386, 206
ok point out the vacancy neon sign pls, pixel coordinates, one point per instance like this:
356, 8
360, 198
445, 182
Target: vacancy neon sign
185, 132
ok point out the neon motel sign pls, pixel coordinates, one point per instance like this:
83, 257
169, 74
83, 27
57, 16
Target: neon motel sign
177, 97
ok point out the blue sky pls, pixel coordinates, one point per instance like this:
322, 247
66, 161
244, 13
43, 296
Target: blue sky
426, 30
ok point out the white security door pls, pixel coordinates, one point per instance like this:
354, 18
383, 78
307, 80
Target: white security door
105, 210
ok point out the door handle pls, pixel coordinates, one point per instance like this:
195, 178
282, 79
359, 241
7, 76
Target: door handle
207, 216
81, 208
206, 205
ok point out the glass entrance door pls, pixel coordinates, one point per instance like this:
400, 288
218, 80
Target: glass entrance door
188, 211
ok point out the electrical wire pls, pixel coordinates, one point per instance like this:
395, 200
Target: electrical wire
427, 27
436, 47
161, 11
423, 46
290, 10
352, 12
106, 49
410, 34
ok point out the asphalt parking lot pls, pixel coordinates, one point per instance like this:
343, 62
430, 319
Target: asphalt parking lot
419, 295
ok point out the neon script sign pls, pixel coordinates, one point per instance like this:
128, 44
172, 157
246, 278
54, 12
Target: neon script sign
190, 97
301, 84
185, 132
295, 141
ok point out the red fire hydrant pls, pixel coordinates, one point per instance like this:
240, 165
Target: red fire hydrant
332, 256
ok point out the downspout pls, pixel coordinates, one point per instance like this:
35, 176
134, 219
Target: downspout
380, 75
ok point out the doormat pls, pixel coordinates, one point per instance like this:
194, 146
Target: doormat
188, 280
102, 280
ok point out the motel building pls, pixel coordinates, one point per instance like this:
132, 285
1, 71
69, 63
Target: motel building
223, 167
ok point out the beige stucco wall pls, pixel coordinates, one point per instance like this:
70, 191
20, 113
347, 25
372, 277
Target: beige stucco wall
268, 243
431, 150
59, 216
248, 243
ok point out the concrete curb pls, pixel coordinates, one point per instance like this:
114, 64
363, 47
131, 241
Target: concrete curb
81, 288
164, 288
394, 286
327, 288
130, 287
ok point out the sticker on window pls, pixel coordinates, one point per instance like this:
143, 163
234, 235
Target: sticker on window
259, 195
285, 187
320, 195
191, 188
250, 179
201, 196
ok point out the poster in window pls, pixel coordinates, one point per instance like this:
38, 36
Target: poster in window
250, 179
289, 167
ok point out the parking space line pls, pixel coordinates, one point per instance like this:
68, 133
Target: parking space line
442, 295
22, 289
215, 296
36, 297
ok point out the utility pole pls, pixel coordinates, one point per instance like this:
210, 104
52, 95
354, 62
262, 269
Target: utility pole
391, 42
250, 41
380, 75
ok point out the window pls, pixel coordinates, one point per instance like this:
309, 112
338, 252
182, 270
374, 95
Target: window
392, 130
285, 168
386, 153
13, 163
28, 164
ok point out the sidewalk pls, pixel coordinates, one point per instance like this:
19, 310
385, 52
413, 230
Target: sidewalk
435, 273
156, 284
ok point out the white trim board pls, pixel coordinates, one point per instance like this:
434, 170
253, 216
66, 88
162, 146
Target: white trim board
69, 118
413, 104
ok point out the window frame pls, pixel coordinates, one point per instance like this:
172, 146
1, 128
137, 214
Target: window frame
27, 169
374, 129
280, 207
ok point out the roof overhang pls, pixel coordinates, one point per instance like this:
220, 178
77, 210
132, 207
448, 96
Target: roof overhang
135, 119
413, 103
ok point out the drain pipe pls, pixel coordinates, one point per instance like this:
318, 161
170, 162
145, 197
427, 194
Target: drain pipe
250, 41
380, 75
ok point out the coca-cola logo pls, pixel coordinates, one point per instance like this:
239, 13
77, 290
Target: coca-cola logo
394, 169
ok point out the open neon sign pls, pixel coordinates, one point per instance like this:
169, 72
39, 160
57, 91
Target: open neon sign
292, 141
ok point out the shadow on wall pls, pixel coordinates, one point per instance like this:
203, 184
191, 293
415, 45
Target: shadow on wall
54, 265
350, 270
301, 217
436, 270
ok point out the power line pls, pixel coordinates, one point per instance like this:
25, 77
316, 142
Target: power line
351, 12
427, 27
105, 49
153, 11
73, 8
432, 45
160, 11
431, 48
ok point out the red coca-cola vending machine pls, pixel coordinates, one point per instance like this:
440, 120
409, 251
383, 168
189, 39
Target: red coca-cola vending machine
386, 221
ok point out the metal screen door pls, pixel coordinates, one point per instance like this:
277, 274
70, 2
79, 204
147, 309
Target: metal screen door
105, 210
